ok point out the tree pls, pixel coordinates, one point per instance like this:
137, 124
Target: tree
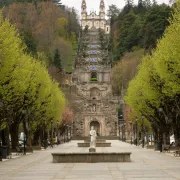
29, 95
155, 22
140, 3
57, 60
129, 2
113, 12
67, 119
128, 6
45, 27
147, 3
125, 70
155, 91
68, 116
138, 26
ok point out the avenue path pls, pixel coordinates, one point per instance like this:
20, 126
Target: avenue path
145, 165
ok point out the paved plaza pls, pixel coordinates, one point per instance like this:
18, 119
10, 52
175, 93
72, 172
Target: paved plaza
145, 165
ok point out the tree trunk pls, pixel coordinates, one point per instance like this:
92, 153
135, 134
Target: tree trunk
177, 137
7, 140
14, 135
3, 137
37, 138
28, 135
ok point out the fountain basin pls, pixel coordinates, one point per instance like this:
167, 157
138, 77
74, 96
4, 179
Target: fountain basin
91, 157
97, 141
87, 144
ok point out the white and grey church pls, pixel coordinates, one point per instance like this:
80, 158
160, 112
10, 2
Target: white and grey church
94, 20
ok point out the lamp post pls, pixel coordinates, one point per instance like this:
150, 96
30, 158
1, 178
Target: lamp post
64, 133
124, 132
45, 141
131, 133
119, 122
73, 129
24, 125
119, 131
143, 132
67, 133
122, 136
70, 133
136, 130
51, 129
2, 107
57, 134
134, 135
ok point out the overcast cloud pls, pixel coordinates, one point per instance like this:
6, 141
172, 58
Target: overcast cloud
94, 4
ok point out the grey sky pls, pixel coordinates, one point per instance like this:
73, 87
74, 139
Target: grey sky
94, 4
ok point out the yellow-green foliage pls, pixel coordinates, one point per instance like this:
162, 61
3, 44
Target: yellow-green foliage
25, 83
158, 78
167, 56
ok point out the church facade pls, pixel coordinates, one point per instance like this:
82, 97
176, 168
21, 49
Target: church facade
93, 102
94, 20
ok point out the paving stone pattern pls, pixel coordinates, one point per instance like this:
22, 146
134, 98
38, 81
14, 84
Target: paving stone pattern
145, 165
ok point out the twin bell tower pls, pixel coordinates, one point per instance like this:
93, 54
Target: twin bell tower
94, 20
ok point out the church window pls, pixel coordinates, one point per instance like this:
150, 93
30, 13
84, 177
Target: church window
93, 76
107, 29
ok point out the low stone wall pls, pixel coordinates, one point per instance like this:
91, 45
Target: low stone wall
91, 157
97, 144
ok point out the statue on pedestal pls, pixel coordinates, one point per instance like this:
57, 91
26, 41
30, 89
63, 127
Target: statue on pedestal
93, 140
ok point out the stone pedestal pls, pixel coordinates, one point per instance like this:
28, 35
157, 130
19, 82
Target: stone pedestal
92, 150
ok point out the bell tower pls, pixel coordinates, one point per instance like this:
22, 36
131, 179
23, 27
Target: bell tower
83, 9
102, 9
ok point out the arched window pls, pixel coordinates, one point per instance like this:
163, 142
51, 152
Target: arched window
94, 76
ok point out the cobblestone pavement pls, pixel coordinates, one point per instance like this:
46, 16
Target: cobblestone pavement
145, 165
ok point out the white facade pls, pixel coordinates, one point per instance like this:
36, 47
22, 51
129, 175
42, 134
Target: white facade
94, 20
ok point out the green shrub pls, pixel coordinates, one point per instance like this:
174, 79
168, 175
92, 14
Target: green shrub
93, 79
